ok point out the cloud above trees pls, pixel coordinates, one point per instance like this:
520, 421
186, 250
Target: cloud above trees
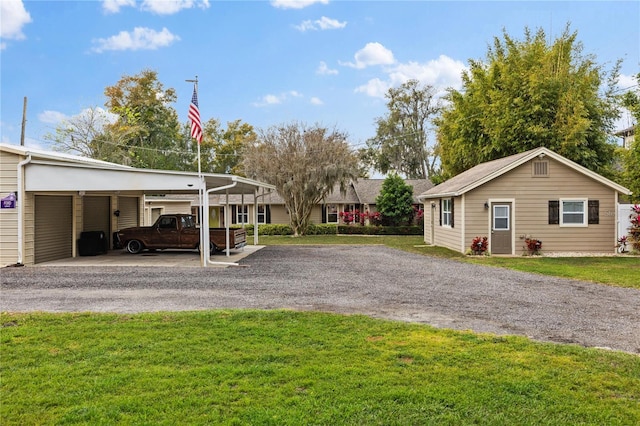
159, 7
139, 39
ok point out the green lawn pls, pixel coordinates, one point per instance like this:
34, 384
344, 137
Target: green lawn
288, 368
622, 271
291, 368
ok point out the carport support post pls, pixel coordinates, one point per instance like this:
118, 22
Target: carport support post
255, 217
204, 222
226, 215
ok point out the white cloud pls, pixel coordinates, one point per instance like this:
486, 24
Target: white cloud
627, 81
316, 101
330, 24
375, 88
440, 73
169, 7
323, 69
159, 7
114, 6
305, 26
100, 116
52, 117
13, 17
323, 23
371, 54
139, 39
296, 4
272, 99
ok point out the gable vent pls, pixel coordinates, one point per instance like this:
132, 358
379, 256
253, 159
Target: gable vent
540, 168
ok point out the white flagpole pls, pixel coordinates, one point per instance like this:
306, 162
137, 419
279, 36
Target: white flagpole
204, 251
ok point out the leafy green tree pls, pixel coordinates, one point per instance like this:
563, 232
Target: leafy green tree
400, 144
528, 94
631, 157
395, 201
304, 164
221, 150
229, 147
144, 105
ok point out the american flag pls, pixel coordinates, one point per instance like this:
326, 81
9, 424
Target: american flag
194, 116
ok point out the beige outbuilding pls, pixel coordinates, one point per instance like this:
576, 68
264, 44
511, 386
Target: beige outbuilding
537, 195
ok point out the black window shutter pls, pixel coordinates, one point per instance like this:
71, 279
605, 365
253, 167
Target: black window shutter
234, 210
554, 212
267, 212
452, 217
440, 212
324, 213
594, 212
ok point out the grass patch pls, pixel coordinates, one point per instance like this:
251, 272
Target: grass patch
290, 368
621, 271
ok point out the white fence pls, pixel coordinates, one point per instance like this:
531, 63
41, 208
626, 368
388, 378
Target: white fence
624, 223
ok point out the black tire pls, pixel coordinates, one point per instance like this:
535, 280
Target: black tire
134, 246
212, 248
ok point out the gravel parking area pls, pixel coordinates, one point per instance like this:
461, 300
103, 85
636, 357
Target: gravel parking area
371, 280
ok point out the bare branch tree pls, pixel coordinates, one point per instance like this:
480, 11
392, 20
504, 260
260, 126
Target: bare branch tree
304, 164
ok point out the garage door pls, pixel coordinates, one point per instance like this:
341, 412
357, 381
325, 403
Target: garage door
95, 214
53, 228
128, 207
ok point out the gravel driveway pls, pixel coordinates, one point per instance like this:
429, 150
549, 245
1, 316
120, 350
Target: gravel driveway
371, 280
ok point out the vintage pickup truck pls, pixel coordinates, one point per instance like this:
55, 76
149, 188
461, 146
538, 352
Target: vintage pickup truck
177, 231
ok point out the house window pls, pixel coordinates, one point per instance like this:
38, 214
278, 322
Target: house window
332, 213
500, 218
242, 214
573, 212
540, 169
262, 214
446, 212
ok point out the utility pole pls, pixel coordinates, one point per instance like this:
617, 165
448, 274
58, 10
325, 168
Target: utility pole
24, 121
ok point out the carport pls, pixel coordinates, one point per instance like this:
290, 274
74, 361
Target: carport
59, 195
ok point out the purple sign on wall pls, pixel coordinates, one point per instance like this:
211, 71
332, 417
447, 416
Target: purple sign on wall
8, 202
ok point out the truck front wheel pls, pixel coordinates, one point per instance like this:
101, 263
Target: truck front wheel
134, 246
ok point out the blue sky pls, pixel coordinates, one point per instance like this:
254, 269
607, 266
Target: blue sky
272, 62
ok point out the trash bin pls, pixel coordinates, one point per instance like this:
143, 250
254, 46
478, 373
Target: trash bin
92, 243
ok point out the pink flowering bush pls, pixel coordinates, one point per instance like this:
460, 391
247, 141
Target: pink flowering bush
358, 217
634, 231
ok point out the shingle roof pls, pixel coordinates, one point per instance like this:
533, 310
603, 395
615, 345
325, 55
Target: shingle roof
364, 191
369, 189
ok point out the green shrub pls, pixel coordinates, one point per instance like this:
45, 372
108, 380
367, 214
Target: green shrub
332, 229
273, 229
380, 230
266, 229
322, 229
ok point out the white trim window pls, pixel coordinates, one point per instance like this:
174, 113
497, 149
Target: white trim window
262, 214
242, 214
332, 213
573, 212
446, 212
